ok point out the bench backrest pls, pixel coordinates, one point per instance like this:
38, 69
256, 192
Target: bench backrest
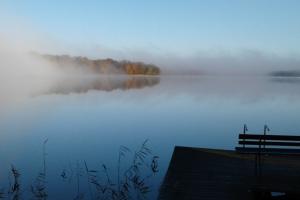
262, 143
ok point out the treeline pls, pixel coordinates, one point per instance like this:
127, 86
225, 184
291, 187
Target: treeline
104, 66
287, 73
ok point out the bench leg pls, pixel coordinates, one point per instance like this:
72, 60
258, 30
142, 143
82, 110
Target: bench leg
255, 165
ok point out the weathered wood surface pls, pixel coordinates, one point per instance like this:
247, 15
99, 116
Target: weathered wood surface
208, 174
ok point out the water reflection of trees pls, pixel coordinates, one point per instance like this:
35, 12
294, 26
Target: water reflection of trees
291, 80
106, 83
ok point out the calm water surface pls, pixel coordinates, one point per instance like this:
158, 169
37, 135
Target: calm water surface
88, 119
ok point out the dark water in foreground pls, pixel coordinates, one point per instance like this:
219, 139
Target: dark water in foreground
88, 120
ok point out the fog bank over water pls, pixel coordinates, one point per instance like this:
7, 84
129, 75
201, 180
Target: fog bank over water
20, 73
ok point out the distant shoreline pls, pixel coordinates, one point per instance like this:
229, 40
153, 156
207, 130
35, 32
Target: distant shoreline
286, 73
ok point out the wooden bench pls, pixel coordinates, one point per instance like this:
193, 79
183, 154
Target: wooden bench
263, 144
268, 144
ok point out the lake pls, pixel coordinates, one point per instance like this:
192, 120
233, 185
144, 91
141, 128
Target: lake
88, 119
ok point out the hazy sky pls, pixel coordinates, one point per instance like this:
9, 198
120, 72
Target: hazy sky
183, 27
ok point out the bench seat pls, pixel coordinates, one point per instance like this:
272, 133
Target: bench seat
255, 150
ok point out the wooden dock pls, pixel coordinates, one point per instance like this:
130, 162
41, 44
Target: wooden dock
209, 174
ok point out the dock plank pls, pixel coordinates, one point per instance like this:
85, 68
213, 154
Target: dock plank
209, 174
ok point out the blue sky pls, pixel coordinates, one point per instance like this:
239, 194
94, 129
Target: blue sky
185, 26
